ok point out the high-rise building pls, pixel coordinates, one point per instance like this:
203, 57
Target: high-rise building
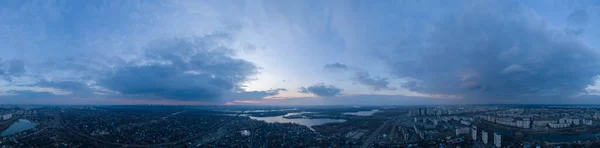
576, 121
474, 133
558, 125
527, 124
497, 140
465, 122
464, 130
6, 117
524, 123
587, 122
484, 137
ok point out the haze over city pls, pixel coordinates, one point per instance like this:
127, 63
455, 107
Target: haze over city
299, 52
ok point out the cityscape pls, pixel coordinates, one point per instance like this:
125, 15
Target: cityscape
299, 73
479, 126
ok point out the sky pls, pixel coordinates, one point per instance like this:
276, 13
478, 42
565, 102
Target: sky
309, 52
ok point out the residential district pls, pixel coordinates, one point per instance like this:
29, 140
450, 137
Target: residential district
480, 126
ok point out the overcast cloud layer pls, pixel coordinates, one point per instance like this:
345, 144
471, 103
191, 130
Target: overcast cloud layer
299, 52
499, 52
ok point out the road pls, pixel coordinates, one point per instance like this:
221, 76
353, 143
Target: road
368, 141
173, 114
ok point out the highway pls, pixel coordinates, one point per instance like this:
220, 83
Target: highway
368, 141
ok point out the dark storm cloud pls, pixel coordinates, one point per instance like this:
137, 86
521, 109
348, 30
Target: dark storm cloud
321, 90
498, 50
181, 69
165, 81
578, 16
335, 66
376, 83
175, 69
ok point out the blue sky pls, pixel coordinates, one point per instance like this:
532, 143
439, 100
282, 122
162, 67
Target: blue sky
299, 52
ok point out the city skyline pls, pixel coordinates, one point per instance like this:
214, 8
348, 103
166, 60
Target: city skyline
299, 52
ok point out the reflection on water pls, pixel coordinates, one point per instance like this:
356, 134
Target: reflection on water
18, 126
301, 121
362, 113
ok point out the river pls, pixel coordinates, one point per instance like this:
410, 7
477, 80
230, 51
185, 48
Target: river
18, 126
302, 121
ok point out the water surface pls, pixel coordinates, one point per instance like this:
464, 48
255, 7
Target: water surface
18, 126
302, 121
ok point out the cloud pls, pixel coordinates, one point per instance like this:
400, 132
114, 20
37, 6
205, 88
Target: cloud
335, 66
248, 47
181, 69
16, 67
75, 88
514, 68
2, 73
362, 77
360, 99
28, 94
574, 32
130, 55
578, 16
376, 84
576, 22
321, 90
12, 68
497, 50
251, 95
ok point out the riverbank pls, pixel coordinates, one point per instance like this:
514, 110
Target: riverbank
5, 124
19, 126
